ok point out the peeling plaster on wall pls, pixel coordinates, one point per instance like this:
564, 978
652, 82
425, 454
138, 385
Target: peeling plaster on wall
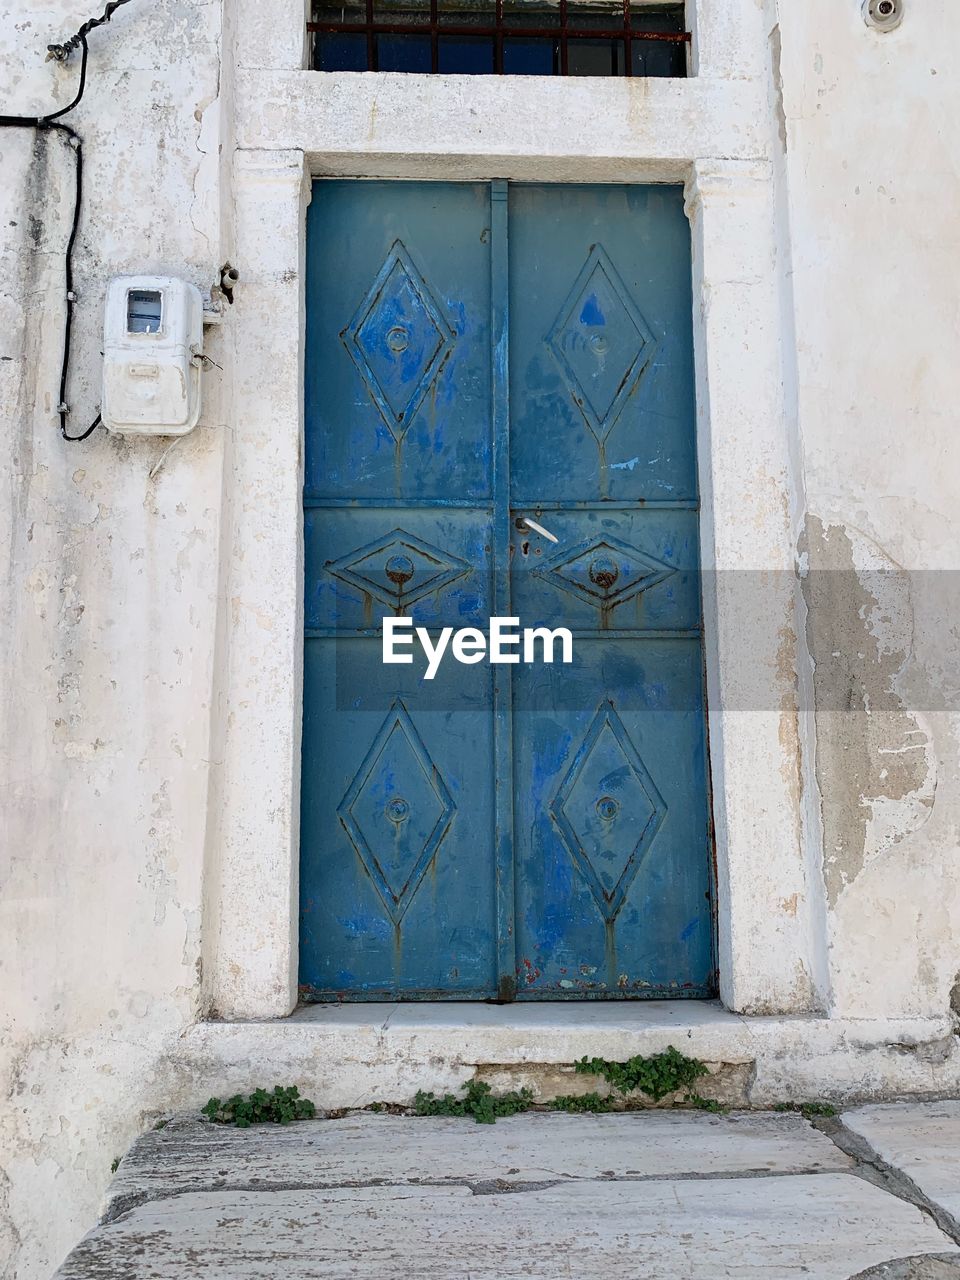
876, 276
108, 618
807, 993
776, 54
789, 717
876, 768
797, 731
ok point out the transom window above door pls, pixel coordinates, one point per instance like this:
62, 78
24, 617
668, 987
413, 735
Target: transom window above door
500, 37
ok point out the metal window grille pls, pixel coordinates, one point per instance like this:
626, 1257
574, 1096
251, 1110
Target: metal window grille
500, 37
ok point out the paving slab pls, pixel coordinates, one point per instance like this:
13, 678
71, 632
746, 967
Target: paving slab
921, 1140
189, 1154
924, 1266
822, 1226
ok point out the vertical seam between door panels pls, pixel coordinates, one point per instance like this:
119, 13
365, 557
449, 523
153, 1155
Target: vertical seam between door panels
502, 674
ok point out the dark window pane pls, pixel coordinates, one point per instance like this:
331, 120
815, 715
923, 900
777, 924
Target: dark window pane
656, 58
340, 53
529, 57
466, 55
403, 53
594, 58
338, 14
530, 30
522, 15
668, 19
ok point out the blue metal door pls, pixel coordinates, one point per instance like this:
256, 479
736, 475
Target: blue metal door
478, 354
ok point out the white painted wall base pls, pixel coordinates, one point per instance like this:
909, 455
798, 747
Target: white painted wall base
351, 1055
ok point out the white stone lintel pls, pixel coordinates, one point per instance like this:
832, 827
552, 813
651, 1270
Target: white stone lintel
476, 127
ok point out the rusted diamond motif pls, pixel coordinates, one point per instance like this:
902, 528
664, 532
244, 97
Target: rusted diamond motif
397, 811
601, 343
605, 571
399, 340
608, 810
398, 569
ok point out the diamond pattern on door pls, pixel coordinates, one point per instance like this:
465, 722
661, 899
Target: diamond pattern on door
397, 811
398, 569
601, 342
399, 340
608, 810
604, 571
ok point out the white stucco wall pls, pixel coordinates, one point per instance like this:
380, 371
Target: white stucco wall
137, 660
109, 608
873, 189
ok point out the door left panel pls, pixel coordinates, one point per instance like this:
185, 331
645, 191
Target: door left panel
397, 827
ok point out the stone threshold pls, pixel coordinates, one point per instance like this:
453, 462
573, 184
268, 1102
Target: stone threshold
350, 1055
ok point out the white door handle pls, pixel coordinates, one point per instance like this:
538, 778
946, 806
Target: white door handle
538, 528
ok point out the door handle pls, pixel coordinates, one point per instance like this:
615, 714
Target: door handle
524, 522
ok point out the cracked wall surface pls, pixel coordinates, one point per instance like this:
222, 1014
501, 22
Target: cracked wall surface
109, 598
876, 768
874, 251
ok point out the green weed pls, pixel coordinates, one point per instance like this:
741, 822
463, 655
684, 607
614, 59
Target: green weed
260, 1107
478, 1101
807, 1109
707, 1104
582, 1102
656, 1076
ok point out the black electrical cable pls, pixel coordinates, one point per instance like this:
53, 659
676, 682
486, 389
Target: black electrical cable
52, 121
73, 140
62, 51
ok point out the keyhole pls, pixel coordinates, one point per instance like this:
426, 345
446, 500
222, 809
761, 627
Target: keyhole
397, 809
607, 808
525, 548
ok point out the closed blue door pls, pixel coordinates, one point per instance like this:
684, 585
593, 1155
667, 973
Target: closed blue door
477, 355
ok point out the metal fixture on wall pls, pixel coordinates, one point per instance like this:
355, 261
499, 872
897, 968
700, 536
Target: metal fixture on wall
152, 356
157, 319
883, 15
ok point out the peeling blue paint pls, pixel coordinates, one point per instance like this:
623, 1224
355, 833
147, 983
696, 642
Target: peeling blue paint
591, 312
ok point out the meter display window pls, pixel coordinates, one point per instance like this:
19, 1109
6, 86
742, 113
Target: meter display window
144, 307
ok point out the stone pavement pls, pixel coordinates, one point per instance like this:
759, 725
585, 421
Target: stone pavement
652, 1195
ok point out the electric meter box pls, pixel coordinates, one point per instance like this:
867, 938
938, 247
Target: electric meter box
152, 356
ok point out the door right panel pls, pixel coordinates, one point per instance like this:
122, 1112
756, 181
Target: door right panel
613, 847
